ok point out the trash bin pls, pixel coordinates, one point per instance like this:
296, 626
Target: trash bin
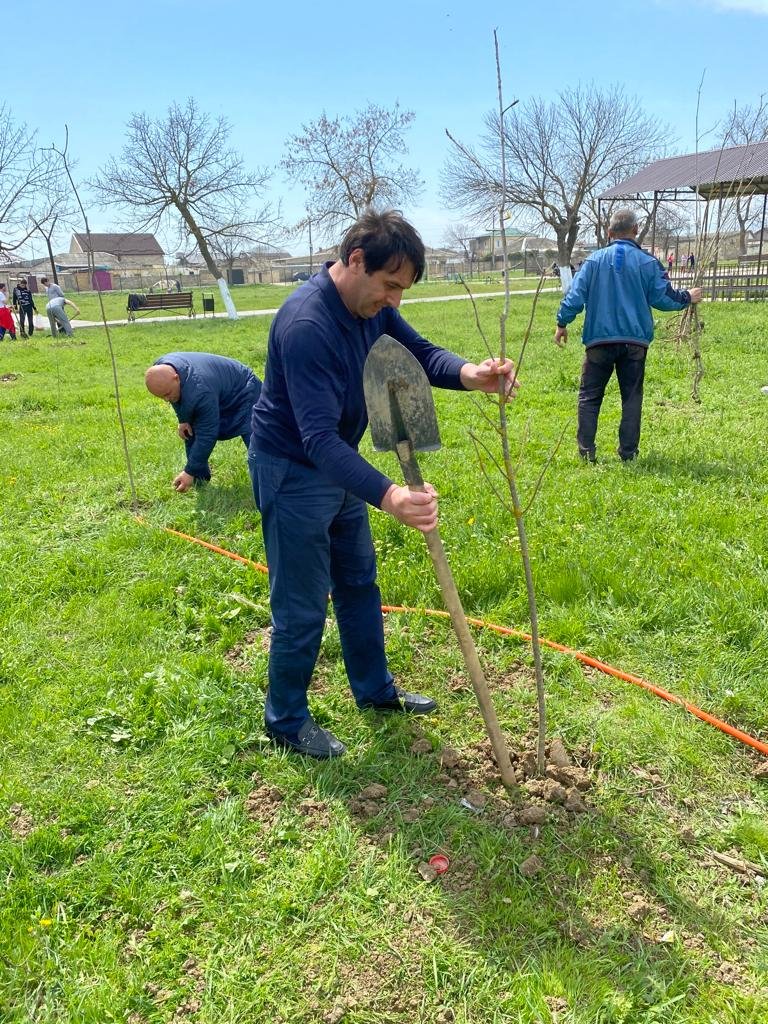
207, 304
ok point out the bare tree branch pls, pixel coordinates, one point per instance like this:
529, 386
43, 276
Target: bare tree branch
347, 164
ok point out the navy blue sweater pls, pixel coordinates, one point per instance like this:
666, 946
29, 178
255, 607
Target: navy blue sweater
217, 398
312, 407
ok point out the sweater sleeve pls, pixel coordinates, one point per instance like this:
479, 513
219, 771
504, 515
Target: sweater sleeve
205, 424
442, 367
315, 378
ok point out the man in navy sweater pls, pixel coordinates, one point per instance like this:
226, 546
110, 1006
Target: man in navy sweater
313, 487
618, 285
213, 398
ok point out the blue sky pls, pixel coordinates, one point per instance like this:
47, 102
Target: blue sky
270, 67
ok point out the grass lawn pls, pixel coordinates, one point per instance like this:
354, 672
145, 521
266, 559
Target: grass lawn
270, 296
162, 863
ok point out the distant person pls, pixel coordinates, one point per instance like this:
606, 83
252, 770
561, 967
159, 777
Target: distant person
178, 285
691, 261
618, 285
24, 304
7, 322
670, 262
213, 398
57, 314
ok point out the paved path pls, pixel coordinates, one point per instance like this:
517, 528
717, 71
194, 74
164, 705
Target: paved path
271, 312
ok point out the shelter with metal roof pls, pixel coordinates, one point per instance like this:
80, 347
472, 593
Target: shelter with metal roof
718, 174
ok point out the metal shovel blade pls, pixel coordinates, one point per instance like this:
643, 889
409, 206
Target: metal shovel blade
399, 399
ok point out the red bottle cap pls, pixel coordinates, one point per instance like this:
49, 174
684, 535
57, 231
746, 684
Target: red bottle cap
440, 863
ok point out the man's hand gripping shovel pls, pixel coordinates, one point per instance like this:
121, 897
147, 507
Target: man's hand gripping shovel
402, 418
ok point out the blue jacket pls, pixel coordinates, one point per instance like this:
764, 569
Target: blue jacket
312, 408
217, 399
618, 284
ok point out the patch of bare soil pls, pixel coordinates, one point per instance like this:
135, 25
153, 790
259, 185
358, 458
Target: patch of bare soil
316, 813
370, 987
239, 657
20, 823
6, 377
263, 803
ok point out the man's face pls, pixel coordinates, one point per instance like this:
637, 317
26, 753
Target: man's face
372, 292
171, 392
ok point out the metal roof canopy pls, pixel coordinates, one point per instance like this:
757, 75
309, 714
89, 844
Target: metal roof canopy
716, 174
726, 173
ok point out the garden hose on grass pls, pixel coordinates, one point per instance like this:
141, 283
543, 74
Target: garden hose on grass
585, 659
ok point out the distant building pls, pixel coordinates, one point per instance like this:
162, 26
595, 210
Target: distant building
124, 251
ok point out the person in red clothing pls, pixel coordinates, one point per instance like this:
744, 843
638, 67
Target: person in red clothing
7, 322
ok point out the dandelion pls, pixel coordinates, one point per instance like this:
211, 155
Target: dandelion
46, 922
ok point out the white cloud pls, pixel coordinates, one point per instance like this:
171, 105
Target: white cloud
747, 6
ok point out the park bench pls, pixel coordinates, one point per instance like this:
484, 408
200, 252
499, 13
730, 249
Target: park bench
141, 304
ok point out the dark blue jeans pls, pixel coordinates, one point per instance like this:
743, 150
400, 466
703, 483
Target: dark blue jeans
317, 541
599, 363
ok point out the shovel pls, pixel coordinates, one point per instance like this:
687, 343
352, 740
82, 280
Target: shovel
402, 418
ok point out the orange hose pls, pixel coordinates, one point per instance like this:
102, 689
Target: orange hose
205, 544
609, 670
601, 666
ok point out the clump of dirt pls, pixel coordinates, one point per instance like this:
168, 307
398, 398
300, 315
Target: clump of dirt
239, 658
21, 823
760, 771
421, 747
532, 866
315, 812
7, 377
263, 803
369, 802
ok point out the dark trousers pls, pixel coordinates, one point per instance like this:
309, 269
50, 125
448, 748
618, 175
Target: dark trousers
24, 312
599, 363
189, 441
317, 540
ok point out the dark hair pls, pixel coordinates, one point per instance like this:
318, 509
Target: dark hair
43, 280
387, 240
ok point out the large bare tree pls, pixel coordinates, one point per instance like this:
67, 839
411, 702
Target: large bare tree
559, 155
22, 175
347, 164
178, 171
743, 126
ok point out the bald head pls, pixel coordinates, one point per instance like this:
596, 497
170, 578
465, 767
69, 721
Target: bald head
163, 382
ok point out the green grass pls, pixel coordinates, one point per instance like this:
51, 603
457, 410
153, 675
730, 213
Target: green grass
270, 296
139, 887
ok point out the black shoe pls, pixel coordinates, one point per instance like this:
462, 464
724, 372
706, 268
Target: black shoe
312, 741
588, 456
410, 703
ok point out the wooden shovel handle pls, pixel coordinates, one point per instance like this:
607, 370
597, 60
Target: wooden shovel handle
452, 601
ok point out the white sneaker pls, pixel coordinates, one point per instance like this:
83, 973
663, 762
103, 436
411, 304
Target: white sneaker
764, 390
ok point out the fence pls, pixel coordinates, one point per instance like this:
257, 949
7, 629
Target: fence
726, 283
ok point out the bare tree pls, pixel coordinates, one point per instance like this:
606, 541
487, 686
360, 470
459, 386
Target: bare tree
53, 206
21, 176
745, 125
179, 171
559, 155
350, 163
459, 237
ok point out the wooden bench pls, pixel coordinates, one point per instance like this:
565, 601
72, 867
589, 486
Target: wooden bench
138, 305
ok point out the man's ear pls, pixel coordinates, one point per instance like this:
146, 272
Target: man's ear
356, 261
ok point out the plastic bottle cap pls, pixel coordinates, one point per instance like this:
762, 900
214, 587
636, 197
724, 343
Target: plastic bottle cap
440, 863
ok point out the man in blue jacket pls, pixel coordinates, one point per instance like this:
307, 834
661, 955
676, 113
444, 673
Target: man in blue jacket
312, 486
213, 398
618, 285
